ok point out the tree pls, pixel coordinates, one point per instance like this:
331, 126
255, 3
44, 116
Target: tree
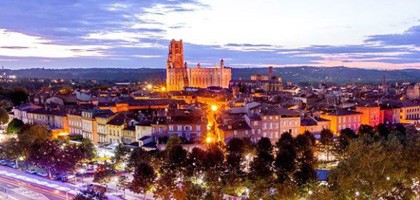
6, 104
304, 141
143, 179
346, 135
90, 194
305, 159
18, 96
104, 174
262, 172
377, 168
14, 126
172, 141
285, 162
304, 174
327, 140
235, 151
171, 171
214, 170
10, 150
366, 130
4, 116
138, 156
87, 149
264, 144
286, 138
327, 137
120, 153
382, 130
31, 133
53, 156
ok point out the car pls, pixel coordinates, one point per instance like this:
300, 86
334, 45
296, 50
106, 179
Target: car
31, 171
3, 162
44, 174
12, 164
64, 177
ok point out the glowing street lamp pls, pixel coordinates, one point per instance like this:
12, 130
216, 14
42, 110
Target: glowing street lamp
149, 86
209, 140
163, 89
214, 108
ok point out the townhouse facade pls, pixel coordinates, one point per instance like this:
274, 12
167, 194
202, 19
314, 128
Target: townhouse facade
343, 118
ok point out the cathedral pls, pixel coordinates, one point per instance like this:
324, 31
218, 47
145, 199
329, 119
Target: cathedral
178, 75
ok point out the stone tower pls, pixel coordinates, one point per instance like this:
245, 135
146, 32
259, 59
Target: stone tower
176, 68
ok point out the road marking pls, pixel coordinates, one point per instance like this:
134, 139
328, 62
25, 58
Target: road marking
30, 194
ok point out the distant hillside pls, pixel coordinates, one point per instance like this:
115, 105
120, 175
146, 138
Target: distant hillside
339, 75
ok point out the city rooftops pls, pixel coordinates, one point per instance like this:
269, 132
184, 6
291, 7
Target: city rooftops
343, 112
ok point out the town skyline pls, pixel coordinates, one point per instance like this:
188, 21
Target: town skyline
279, 33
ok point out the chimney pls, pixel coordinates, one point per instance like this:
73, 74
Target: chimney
222, 63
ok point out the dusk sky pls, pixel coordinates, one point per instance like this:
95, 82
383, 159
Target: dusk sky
136, 33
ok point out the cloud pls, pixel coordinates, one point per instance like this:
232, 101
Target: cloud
34, 46
133, 33
408, 37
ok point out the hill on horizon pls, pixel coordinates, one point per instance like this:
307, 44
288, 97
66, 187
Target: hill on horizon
304, 74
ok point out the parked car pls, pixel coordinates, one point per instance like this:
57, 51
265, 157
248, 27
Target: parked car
3, 162
12, 164
31, 171
64, 177
42, 173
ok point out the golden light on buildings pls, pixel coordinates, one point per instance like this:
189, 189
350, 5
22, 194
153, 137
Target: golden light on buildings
214, 108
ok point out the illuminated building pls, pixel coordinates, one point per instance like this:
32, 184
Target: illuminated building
178, 75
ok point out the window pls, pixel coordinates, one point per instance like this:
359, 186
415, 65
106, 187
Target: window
198, 127
179, 128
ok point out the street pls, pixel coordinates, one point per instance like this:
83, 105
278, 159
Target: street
15, 189
20, 185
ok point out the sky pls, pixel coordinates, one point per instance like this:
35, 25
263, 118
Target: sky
381, 34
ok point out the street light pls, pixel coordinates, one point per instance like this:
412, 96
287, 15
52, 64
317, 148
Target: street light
20, 159
82, 171
209, 139
116, 185
214, 108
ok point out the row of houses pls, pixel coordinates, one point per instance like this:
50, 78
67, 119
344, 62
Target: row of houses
255, 120
103, 126
154, 120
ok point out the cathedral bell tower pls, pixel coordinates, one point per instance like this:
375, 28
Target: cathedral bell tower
176, 68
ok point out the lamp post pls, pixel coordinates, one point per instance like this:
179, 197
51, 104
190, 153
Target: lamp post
116, 185
82, 171
20, 159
